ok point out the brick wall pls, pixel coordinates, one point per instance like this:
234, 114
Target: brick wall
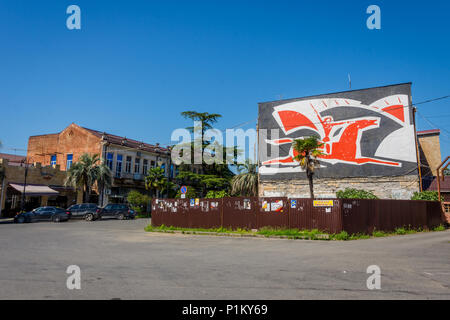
72, 140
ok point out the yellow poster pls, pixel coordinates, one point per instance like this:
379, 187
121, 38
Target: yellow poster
323, 203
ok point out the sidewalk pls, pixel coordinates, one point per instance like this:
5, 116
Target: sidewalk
6, 220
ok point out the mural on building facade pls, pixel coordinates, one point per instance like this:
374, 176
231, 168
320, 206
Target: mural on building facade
364, 133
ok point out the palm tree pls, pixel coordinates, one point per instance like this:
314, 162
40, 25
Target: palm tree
104, 180
86, 172
246, 182
156, 180
307, 151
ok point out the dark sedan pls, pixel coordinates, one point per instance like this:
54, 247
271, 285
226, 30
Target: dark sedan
54, 214
119, 211
87, 211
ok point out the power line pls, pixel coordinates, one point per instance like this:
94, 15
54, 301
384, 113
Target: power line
433, 124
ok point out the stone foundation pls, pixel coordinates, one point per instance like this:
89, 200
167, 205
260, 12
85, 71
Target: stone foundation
401, 187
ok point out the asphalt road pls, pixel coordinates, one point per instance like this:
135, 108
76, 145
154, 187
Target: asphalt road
118, 260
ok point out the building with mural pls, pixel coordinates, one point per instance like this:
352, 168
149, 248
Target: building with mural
369, 142
128, 159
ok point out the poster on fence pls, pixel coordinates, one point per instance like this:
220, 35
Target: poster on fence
277, 206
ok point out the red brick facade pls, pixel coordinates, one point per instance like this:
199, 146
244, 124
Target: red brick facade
73, 140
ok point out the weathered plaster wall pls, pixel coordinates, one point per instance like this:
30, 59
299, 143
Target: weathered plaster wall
401, 187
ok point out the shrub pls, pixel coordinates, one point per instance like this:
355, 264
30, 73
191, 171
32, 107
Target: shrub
426, 195
439, 228
351, 193
216, 194
343, 235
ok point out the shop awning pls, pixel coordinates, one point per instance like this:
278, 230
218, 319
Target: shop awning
34, 189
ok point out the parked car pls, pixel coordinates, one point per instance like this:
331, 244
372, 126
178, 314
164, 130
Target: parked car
87, 211
119, 211
54, 214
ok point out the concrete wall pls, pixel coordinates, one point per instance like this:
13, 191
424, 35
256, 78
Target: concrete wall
401, 187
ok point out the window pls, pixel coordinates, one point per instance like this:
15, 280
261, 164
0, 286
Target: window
109, 160
137, 164
163, 166
53, 160
128, 165
145, 167
118, 165
69, 161
152, 164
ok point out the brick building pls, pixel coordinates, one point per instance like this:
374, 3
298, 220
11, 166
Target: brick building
44, 186
128, 159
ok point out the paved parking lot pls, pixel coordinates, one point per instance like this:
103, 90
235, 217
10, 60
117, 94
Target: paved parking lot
119, 260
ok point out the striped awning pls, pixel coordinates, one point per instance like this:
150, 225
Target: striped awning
34, 189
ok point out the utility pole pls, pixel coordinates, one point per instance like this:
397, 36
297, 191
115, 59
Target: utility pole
22, 206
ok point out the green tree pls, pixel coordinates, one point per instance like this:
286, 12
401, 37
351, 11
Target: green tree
156, 181
246, 182
84, 173
216, 194
350, 193
215, 176
446, 172
206, 119
307, 151
138, 201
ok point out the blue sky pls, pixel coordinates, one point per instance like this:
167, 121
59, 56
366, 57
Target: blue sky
135, 65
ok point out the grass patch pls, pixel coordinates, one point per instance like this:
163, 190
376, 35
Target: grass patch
293, 233
164, 228
314, 234
440, 227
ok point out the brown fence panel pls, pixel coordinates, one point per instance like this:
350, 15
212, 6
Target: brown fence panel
170, 212
351, 215
204, 213
304, 214
272, 212
435, 214
240, 212
367, 215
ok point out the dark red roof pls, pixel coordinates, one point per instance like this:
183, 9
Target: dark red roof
445, 185
123, 141
428, 131
12, 157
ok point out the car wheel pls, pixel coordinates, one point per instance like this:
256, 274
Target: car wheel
20, 220
89, 217
120, 216
56, 219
